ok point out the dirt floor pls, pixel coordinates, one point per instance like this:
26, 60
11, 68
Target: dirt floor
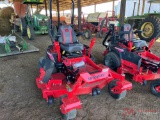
20, 99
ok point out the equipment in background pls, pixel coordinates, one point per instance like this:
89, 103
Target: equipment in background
126, 54
98, 23
28, 22
14, 44
10, 43
148, 23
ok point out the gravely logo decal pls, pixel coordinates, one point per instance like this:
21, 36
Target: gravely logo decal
96, 77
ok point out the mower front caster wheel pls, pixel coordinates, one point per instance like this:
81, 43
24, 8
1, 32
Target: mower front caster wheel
70, 115
96, 91
50, 100
111, 90
155, 88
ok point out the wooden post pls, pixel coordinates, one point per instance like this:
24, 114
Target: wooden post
95, 8
58, 12
143, 6
122, 12
149, 7
79, 14
138, 7
63, 12
134, 8
113, 6
46, 7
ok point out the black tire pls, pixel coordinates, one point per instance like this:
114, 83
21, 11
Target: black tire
88, 34
30, 32
112, 60
50, 100
146, 25
23, 27
153, 89
71, 114
115, 96
16, 28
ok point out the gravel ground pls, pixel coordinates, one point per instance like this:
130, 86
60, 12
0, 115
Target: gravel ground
21, 100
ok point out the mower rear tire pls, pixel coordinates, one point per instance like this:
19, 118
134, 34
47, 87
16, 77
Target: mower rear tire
87, 34
23, 27
153, 86
150, 27
112, 60
30, 32
111, 85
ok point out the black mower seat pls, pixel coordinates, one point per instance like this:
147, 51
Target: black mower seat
139, 43
136, 42
68, 40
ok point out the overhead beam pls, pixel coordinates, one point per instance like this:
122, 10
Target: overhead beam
66, 4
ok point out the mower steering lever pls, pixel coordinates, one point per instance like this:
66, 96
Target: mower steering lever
106, 37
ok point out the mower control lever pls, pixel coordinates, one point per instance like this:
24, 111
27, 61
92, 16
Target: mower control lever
111, 31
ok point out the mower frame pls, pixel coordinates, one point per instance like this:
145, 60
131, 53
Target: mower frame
67, 83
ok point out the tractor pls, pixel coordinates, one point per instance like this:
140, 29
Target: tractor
148, 23
35, 23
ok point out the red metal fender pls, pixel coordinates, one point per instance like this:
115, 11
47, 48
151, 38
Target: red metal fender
39, 83
121, 86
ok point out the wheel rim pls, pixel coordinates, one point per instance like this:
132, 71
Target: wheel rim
28, 32
157, 88
148, 29
110, 63
87, 35
21, 27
